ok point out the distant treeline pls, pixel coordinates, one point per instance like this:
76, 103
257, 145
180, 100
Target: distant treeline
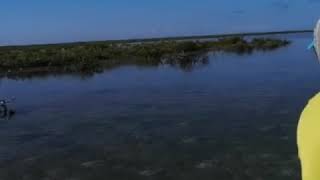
92, 56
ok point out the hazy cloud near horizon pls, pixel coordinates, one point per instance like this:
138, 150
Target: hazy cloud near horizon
28, 22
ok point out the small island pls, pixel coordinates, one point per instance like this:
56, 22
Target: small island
90, 56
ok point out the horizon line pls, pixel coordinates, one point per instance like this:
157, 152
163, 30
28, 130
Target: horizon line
166, 38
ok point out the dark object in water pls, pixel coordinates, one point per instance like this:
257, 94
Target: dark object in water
5, 112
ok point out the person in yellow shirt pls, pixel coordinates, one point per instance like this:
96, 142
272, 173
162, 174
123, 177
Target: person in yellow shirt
308, 133
308, 139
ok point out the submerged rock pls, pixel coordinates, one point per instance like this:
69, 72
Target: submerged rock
92, 163
205, 164
150, 172
189, 140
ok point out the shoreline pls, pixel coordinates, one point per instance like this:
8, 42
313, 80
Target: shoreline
94, 57
168, 38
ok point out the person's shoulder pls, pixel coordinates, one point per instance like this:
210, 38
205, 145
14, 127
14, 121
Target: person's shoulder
315, 100
312, 108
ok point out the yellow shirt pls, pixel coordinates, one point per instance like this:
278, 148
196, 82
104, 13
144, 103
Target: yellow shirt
308, 137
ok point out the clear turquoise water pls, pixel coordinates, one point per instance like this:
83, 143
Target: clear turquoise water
233, 118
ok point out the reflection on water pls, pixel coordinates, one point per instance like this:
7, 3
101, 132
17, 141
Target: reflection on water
186, 63
6, 114
233, 118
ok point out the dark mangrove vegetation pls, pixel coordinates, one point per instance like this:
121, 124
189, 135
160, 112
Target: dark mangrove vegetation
90, 57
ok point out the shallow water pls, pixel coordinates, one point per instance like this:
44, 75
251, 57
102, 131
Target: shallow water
233, 118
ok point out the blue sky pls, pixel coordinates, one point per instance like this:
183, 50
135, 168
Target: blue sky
48, 21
